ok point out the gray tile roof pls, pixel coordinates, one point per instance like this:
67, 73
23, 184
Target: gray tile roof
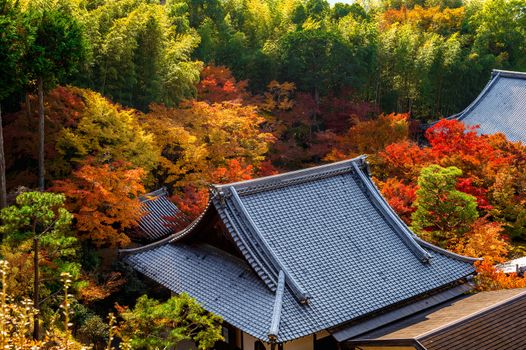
500, 107
161, 216
340, 248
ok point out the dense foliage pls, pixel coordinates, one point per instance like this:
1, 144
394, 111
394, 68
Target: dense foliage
111, 99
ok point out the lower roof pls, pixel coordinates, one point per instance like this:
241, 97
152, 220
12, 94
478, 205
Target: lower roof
228, 287
161, 217
486, 320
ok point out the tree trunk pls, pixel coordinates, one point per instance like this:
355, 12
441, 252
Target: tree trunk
3, 189
36, 295
28, 106
41, 169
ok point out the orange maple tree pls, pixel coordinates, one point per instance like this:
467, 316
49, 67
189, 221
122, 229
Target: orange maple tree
492, 171
370, 136
104, 201
217, 84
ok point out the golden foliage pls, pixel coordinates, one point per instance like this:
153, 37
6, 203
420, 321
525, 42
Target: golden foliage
104, 201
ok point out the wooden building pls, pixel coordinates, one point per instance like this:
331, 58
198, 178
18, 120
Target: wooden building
303, 260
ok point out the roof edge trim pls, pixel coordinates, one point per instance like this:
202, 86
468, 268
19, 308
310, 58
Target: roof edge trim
483, 93
245, 244
508, 73
400, 227
446, 252
276, 312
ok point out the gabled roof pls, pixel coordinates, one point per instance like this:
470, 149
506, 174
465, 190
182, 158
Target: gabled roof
500, 107
487, 320
161, 216
314, 249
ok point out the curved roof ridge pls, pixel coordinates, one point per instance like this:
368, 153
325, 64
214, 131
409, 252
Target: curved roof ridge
495, 76
278, 304
389, 214
445, 252
284, 179
267, 255
171, 238
509, 73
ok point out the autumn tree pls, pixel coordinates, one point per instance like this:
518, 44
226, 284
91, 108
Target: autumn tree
442, 212
107, 133
104, 201
217, 85
198, 138
39, 224
64, 108
80, 124
371, 136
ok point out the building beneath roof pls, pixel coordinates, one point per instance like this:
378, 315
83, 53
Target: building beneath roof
500, 107
161, 217
487, 320
303, 260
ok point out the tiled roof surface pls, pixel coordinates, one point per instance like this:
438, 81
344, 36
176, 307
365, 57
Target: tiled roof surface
161, 216
337, 247
501, 106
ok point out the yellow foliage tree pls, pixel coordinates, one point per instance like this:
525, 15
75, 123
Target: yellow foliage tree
107, 132
198, 137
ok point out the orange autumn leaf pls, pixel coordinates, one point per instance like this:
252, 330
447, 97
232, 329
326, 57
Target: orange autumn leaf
104, 201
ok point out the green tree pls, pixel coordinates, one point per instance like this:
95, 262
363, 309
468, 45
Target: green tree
143, 55
500, 29
442, 212
317, 9
57, 48
39, 218
155, 325
11, 50
317, 61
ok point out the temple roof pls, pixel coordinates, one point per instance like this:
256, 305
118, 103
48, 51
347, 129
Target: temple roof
314, 249
500, 107
161, 216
